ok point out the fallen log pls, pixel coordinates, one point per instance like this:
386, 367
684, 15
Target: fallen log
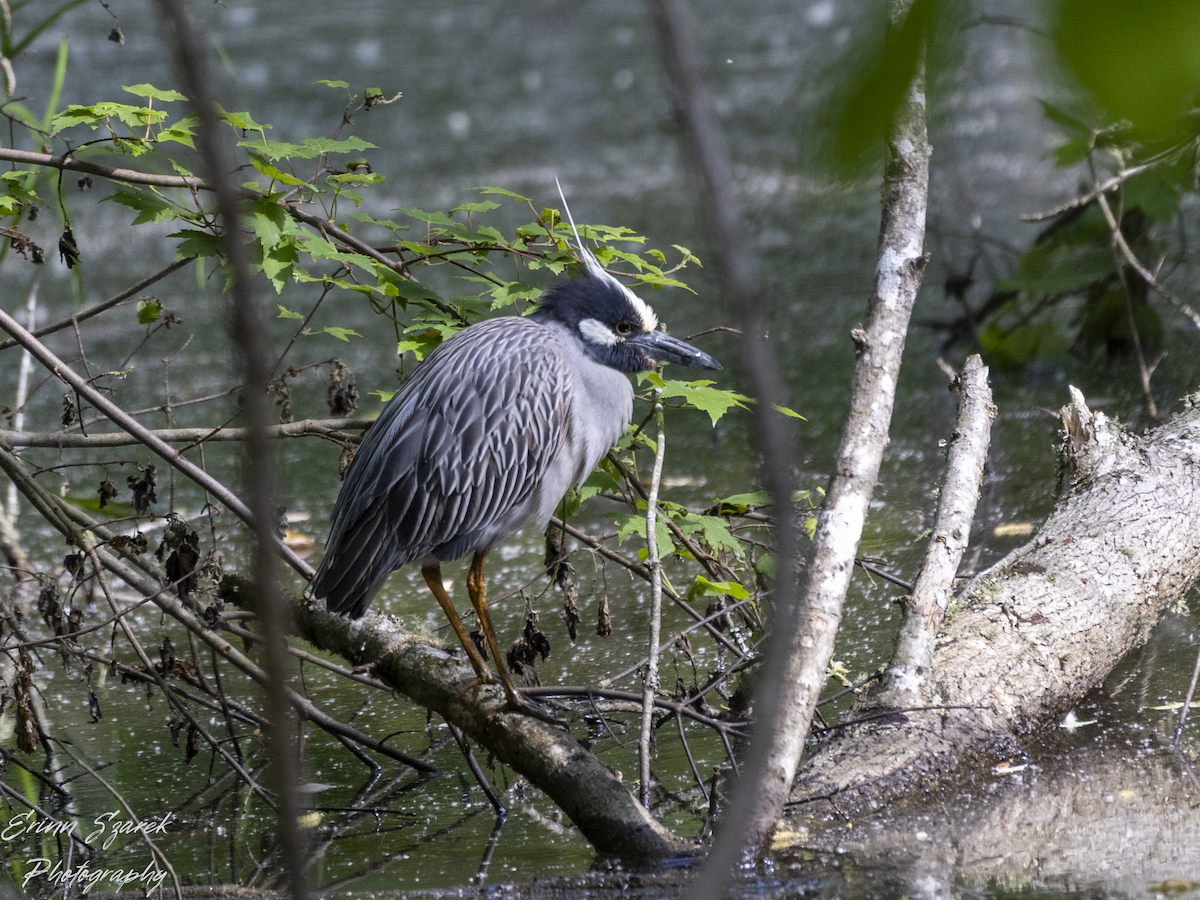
1029, 637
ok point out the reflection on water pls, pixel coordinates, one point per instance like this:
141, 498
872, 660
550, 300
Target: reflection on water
513, 94
1098, 806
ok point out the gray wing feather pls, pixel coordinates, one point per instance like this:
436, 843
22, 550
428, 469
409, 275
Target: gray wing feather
453, 461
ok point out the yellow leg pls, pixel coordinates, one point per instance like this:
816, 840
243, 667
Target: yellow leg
477, 591
433, 578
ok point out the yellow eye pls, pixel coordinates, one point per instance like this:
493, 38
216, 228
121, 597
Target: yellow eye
624, 328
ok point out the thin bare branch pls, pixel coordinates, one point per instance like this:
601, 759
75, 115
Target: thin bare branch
1136, 264
593, 544
156, 853
654, 566
1098, 190
334, 428
591, 692
907, 676
104, 305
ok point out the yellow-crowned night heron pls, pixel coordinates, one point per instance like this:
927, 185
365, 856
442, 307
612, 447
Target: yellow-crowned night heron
488, 435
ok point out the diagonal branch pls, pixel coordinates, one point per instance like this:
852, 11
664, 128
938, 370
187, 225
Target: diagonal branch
1137, 266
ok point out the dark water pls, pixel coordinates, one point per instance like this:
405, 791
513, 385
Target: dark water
512, 95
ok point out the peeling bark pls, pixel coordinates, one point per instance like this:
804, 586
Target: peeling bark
1028, 638
905, 683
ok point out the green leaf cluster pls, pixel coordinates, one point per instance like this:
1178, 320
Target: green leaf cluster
311, 218
1139, 62
1073, 292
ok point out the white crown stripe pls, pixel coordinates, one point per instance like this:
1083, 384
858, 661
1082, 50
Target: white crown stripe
647, 315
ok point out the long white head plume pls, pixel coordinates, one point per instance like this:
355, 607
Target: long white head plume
593, 267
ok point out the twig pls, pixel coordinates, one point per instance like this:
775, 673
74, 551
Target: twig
1187, 702
57, 440
150, 410
889, 713
327, 227
592, 691
212, 702
67, 162
74, 320
1114, 227
485, 862
872, 569
247, 635
1136, 264
688, 751
480, 777
160, 680
654, 566
29, 804
585, 538
716, 569
143, 434
721, 613
1098, 190
154, 850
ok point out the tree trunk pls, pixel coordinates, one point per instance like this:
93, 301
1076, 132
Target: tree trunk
1028, 638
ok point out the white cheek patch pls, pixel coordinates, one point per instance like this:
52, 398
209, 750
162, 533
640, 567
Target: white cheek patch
597, 333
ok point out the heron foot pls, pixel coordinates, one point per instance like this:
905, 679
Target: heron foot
518, 704
480, 680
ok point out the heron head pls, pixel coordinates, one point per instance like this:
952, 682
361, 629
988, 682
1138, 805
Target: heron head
616, 327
